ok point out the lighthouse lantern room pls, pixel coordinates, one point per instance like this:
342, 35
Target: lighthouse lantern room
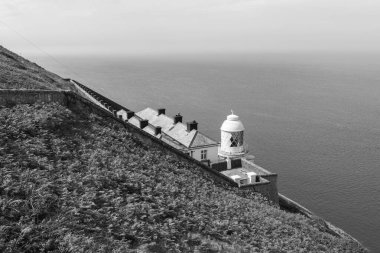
232, 138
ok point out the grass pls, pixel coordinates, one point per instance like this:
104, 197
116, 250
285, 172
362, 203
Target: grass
77, 183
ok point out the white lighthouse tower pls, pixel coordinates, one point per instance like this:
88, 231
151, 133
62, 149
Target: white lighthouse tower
232, 138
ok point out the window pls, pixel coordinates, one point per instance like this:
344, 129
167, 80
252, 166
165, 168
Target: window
236, 139
203, 154
192, 153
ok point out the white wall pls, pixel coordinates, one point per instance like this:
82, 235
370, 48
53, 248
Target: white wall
123, 113
212, 153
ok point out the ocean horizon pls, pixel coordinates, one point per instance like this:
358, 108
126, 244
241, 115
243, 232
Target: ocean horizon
312, 118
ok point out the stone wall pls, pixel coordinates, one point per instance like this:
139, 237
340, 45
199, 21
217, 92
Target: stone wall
111, 105
268, 184
265, 187
219, 166
223, 164
290, 205
263, 173
13, 97
293, 207
235, 163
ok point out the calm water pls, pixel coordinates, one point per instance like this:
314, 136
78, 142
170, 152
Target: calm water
313, 119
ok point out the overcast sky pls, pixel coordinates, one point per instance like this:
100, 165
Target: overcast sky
189, 26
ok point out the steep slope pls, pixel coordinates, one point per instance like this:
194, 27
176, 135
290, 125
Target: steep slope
19, 73
77, 183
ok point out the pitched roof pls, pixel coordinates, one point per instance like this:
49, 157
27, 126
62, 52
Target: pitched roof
150, 129
202, 140
177, 132
172, 142
134, 121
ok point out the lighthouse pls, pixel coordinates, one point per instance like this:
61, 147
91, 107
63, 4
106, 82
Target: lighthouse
232, 138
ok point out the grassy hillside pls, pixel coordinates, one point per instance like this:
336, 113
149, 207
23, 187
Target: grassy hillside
19, 73
76, 183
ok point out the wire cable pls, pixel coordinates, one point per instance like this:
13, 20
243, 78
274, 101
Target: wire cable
66, 68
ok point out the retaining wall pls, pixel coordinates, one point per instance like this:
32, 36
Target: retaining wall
265, 187
102, 99
268, 184
14, 97
292, 206
247, 162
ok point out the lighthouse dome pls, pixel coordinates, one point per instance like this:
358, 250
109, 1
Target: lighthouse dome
232, 124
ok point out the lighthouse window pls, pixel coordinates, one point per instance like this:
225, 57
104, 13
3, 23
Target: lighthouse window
203, 154
236, 139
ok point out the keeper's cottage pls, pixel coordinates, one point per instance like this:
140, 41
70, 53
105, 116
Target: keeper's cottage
184, 137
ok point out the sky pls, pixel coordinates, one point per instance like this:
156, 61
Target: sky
117, 27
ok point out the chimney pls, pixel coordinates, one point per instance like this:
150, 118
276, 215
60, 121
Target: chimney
177, 118
161, 111
143, 123
130, 114
192, 125
157, 130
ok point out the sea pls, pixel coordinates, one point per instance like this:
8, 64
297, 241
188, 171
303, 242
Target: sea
313, 118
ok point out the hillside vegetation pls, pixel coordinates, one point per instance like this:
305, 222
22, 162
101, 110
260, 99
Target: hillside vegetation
77, 183
19, 73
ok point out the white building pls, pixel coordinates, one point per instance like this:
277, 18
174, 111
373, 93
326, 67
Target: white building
185, 138
232, 138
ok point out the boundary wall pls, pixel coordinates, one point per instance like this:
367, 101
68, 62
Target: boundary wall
14, 97
247, 162
290, 205
102, 100
268, 182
